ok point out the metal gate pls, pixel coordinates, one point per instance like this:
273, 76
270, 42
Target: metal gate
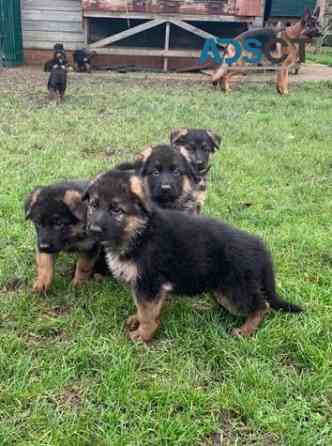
11, 48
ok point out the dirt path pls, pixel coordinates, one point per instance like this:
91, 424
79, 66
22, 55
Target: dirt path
26, 78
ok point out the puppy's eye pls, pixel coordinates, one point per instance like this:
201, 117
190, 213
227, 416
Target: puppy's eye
94, 204
176, 172
116, 211
58, 225
155, 172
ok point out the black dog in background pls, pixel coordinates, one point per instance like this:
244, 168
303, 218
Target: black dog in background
157, 251
59, 56
57, 81
82, 60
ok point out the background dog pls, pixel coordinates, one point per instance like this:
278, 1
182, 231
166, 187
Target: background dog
197, 146
168, 177
157, 251
57, 81
82, 60
59, 217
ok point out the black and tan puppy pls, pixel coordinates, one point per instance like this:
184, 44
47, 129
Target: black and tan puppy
168, 178
59, 217
57, 81
82, 60
197, 146
158, 251
58, 54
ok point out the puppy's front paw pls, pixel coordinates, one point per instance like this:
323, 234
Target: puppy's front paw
137, 336
132, 322
41, 285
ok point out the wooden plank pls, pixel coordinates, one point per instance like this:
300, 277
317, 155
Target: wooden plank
192, 29
125, 51
54, 16
168, 17
46, 25
167, 34
129, 32
53, 36
57, 5
47, 45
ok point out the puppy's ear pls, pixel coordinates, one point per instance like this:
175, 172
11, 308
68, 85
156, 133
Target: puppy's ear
216, 139
316, 11
30, 202
190, 171
176, 134
145, 154
143, 160
306, 15
137, 189
74, 200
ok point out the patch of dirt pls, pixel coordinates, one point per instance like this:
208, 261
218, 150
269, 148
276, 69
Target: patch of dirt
234, 431
29, 79
14, 284
70, 397
46, 336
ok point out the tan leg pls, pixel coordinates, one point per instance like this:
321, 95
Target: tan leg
148, 314
51, 94
282, 81
252, 322
282, 76
84, 269
45, 272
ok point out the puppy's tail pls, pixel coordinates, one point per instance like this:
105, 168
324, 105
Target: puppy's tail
277, 303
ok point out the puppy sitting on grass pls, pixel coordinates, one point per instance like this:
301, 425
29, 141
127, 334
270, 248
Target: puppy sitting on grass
59, 215
157, 251
168, 177
197, 146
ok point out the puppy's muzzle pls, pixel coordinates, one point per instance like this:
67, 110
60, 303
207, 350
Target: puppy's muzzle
95, 229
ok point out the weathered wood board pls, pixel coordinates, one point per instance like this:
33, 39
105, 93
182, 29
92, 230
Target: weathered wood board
46, 22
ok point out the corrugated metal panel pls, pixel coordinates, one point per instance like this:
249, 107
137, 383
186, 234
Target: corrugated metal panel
249, 8
202, 7
293, 8
46, 22
11, 52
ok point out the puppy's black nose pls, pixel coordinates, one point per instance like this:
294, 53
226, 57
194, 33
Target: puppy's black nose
200, 165
165, 187
95, 228
44, 246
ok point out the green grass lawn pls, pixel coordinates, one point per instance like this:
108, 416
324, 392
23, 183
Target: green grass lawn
68, 374
321, 55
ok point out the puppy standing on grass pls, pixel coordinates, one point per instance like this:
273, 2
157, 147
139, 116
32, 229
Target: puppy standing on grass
57, 82
59, 215
158, 251
58, 53
197, 146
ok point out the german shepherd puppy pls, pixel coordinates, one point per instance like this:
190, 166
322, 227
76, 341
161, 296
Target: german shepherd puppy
59, 215
58, 53
57, 81
169, 179
197, 146
82, 60
157, 251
